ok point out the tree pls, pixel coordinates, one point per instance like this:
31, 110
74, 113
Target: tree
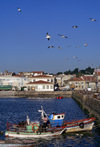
59, 73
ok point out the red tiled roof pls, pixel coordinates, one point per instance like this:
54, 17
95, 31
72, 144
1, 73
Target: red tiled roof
89, 78
77, 79
40, 82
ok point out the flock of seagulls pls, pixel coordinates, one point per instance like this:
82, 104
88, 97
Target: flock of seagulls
51, 46
48, 37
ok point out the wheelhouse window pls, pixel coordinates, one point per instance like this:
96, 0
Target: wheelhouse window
58, 117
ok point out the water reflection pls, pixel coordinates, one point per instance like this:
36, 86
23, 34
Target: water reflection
65, 140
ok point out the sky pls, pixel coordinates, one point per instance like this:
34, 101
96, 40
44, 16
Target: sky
23, 42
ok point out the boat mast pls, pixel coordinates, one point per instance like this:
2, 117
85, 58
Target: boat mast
43, 113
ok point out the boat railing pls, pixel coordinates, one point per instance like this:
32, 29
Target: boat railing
86, 120
18, 128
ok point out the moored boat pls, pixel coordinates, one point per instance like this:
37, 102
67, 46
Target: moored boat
60, 97
51, 125
80, 125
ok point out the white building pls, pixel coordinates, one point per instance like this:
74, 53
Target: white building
14, 81
42, 78
37, 83
40, 86
62, 79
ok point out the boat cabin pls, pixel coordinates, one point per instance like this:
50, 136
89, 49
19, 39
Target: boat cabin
56, 119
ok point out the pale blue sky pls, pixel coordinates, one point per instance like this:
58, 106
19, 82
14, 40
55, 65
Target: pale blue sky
23, 46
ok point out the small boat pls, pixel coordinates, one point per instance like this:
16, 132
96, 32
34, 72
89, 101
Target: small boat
52, 125
60, 97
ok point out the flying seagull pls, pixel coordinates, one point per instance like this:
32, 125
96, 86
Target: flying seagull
51, 46
74, 26
85, 44
63, 36
92, 19
48, 36
59, 47
19, 10
75, 57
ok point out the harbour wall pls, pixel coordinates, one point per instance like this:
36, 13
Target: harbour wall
88, 103
33, 94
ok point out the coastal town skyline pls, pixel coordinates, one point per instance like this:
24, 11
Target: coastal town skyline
74, 32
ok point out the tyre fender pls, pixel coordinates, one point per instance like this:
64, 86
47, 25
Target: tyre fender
81, 125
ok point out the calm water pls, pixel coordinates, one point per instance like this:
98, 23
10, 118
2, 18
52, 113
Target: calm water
16, 109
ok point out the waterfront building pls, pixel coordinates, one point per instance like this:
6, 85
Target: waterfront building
90, 82
40, 86
97, 79
77, 83
46, 78
14, 81
62, 79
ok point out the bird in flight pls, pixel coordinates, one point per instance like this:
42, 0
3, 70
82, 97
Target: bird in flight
74, 26
51, 46
63, 36
85, 44
59, 47
75, 57
19, 10
48, 36
92, 19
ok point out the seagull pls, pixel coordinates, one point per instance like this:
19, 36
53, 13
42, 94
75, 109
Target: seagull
51, 46
85, 44
63, 36
59, 47
75, 57
19, 10
48, 36
92, 19
74, 26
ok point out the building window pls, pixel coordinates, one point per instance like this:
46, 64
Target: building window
51, 87
47, 86
51, 80
36, 87
43, 86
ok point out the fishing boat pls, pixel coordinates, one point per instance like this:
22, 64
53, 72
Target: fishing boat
52, 125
